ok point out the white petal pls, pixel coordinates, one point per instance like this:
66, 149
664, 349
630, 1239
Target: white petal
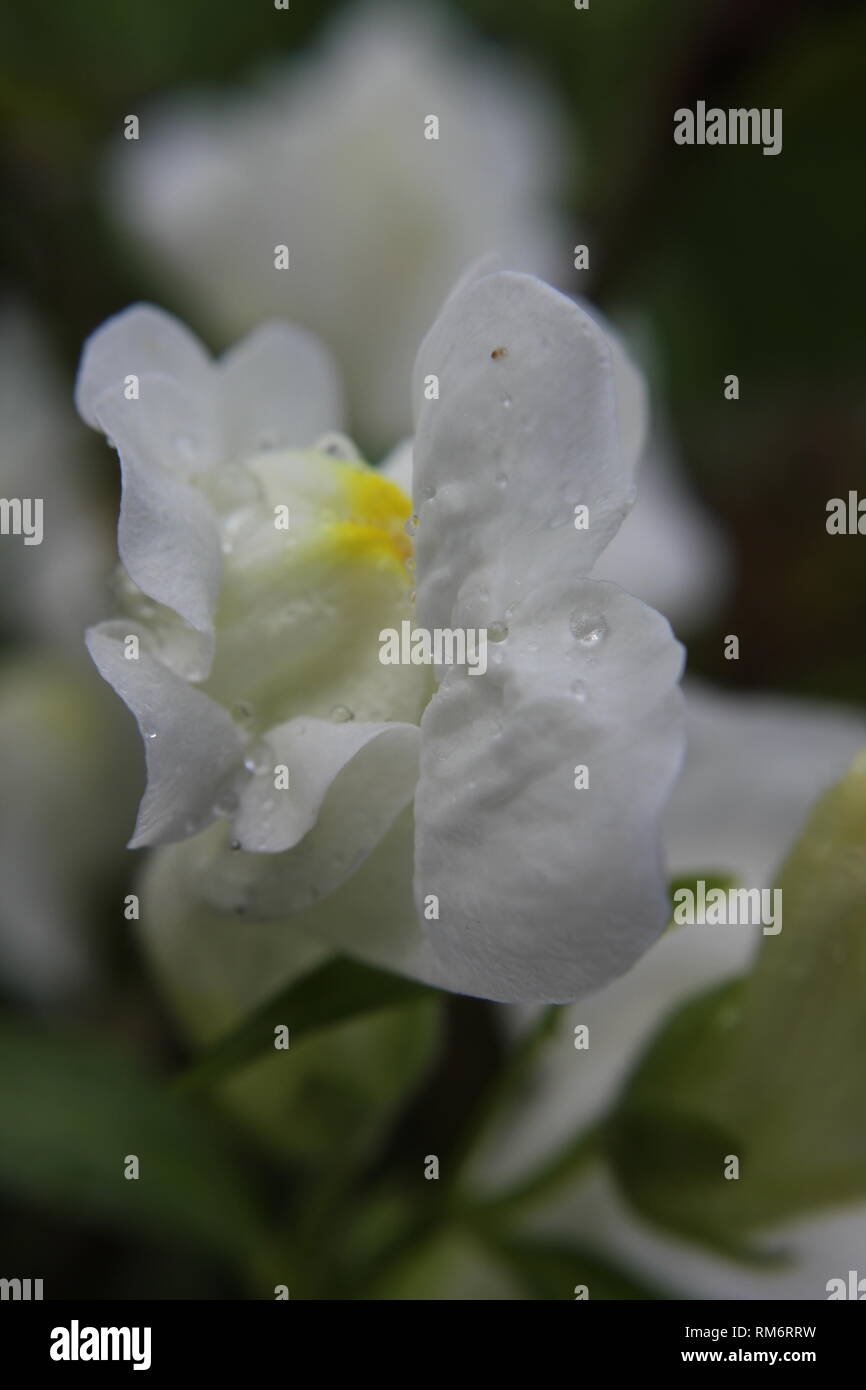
348, 783
524, 430
315, 752
167, 533
192, 748
397, 466
545, 891
279, 389
669, 550
324, 156
143, 341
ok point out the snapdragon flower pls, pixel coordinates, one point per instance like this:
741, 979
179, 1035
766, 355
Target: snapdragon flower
249, 653
330, 154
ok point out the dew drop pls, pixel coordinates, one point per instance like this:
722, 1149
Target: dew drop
226, 804
589, 630
506, 401
501, 478
337, 445
151, 733
341, 714
497, 632
579, 691
234, 844
410, 563
428, 493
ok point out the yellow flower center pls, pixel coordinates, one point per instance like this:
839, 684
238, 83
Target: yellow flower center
371, 522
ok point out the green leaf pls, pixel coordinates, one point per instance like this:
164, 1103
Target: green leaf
769, 1068
70, 1114
341, 989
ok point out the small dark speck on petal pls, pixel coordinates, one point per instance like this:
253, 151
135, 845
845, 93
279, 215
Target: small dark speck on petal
499, 352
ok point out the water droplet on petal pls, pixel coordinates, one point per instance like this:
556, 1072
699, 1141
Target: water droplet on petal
151, 733
497, 632
590, 630
337, 445
506, 401
579, 691
341, 714
410, 563
234, 844
226, 804
501, 478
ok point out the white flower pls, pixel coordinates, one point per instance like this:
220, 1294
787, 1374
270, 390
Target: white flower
61, 745
258, 647
327, 155
754, 767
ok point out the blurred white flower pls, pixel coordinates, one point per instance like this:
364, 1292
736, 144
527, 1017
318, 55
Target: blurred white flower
66, 763
754, 766
52, 590
257, 648
327, 155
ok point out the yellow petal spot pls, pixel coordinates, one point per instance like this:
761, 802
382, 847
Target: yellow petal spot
372, 518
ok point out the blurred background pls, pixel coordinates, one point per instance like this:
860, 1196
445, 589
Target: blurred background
255, 121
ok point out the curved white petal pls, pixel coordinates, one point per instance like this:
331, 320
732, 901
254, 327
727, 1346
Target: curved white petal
167, 534
348, 783
546, 891
279, 389
632, 397
164, 427
524, 429
314, 753
669, 551
192, 748
144, 341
